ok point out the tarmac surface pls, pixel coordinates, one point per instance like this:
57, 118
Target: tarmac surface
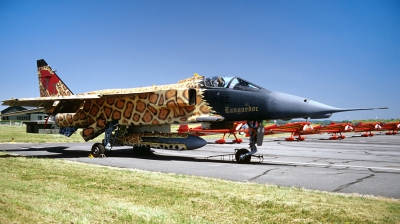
361, 165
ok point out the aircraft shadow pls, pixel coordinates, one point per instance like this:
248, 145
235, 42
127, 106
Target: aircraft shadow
57, 152
162, 157
158, 156
63, 152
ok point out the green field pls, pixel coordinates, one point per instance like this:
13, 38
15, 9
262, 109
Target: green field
57, 191
18, 134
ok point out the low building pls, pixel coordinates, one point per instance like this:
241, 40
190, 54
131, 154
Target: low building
34, 122
22, 117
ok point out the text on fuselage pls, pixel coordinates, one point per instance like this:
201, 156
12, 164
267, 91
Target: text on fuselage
239, 110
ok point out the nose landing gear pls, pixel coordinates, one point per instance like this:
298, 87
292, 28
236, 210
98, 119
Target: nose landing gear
256, 131
243, 156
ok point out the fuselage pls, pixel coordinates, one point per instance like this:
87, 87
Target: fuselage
196, 99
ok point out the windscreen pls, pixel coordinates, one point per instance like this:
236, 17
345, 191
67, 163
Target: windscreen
229, 82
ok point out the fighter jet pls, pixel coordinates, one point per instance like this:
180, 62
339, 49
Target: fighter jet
141, 117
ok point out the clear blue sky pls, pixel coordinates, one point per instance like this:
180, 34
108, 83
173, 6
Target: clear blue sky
342, 53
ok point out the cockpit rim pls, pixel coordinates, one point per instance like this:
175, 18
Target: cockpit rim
210, 83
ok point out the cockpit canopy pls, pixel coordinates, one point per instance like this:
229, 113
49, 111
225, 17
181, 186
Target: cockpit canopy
230, 82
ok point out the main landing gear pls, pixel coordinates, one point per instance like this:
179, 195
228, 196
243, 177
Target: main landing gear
100, 149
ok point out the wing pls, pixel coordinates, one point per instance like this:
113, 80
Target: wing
46, 102
160, 98
335, 128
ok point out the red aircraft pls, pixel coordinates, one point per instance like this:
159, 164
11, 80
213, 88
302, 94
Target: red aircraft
295, 128
391, 127
201, 130
335, 128
368, 127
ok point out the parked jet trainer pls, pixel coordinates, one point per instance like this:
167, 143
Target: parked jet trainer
141, 117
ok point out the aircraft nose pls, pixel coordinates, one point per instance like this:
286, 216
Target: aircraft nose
286, 106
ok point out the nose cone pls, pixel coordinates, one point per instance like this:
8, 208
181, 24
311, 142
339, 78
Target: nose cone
286, 106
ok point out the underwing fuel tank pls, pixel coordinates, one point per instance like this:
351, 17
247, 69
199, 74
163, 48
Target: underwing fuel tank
174, 141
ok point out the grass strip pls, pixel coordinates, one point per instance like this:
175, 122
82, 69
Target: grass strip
49, 190
18, 134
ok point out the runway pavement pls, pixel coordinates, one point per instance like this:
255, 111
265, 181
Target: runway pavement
362, 165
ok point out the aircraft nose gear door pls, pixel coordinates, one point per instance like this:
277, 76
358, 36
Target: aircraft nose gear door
256, 131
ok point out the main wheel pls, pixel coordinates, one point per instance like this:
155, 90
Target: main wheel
245, 159
98, 149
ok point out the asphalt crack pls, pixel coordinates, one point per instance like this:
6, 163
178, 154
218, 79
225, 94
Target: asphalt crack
251, 179
352, 183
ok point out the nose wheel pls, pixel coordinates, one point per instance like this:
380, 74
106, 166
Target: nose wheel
242, 157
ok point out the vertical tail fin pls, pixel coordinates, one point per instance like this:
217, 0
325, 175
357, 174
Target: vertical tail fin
49, 82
